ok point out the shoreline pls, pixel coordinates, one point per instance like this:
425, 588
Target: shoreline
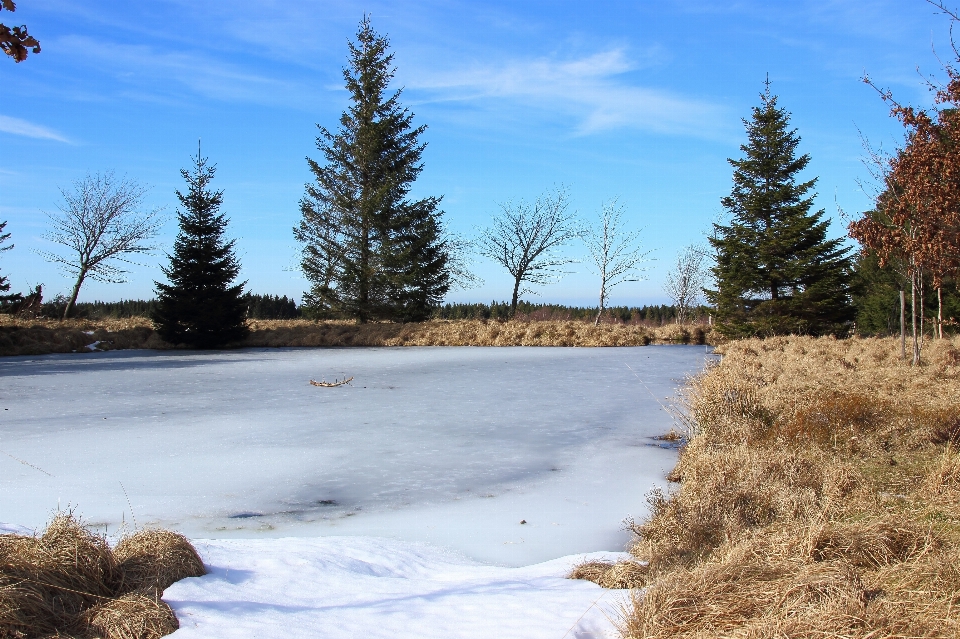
46, 336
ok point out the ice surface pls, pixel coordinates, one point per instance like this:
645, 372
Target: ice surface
346, 587
451, 446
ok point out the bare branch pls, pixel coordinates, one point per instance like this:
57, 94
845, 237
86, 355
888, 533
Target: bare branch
684, 284
526, 240
615, 252
458, 262
101, 222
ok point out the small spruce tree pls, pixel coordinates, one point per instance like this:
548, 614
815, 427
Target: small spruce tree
200, 307
776, 271
369, 252
6, 298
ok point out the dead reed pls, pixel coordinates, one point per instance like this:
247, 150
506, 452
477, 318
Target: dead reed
819, 496
38, 336
69, 582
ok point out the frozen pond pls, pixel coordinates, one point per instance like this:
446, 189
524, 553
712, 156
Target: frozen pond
452, 446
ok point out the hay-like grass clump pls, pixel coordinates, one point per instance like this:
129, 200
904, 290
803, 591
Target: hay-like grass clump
132, 616
68, 582
155, 559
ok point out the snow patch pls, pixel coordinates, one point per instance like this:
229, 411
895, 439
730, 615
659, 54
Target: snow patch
346, 587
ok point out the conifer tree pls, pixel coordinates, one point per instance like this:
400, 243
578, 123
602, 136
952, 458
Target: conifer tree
6, 298
776, 272
369, 253
200, 306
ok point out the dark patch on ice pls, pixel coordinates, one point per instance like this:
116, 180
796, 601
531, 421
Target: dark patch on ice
245, 515
668, 443
327, 502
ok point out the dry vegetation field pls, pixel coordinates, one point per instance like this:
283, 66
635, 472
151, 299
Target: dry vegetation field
819, 496
68, 582
39, 336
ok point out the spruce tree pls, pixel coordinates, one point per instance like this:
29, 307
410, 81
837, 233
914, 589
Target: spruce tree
776, 271
369, 252
6, 298
200, 307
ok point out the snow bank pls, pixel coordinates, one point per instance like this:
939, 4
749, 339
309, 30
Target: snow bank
347, 587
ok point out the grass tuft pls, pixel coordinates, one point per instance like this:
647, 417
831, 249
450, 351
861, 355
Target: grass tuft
67, 581
154, 559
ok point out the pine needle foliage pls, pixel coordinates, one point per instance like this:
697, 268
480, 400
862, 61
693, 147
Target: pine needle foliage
201, 307
6, 298
776, 271
369, 252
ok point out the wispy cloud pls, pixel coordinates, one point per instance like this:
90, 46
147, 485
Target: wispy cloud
592, 90
16, 126
158, 72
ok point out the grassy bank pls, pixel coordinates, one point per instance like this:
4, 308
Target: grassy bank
39, 336
819, 496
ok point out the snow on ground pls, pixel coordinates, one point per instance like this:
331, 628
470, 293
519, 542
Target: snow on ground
346, 587
359, 510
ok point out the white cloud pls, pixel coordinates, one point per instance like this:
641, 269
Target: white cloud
16, 126
158, 71
591, 90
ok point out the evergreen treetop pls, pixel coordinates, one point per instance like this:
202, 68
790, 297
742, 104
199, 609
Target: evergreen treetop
370, 253
5, 298
776, 271
200, 306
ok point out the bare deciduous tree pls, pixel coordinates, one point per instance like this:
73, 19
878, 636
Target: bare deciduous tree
614, 250
101, 221
525, 240
684, 284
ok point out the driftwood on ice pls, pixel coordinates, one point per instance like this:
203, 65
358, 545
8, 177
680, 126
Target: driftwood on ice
335, 382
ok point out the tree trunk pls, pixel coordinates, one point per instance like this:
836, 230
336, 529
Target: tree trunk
903, 325
913, 317
75, 293
513, 302
939, 313
920, 309
603, 296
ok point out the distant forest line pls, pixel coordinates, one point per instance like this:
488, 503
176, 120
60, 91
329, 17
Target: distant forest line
279, 307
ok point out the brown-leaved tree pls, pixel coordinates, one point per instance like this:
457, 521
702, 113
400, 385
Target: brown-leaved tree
15, 41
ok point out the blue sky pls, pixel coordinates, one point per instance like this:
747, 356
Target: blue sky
636, 100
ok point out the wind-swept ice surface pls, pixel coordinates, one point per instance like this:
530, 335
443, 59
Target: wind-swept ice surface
347, 587
452, 446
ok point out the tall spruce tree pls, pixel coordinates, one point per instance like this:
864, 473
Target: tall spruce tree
200, 306
368, 252
776, 271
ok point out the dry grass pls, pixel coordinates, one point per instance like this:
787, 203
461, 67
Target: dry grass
131, 616
41, 336
622, 574
34, 337
155, 559
466, 333
69, 582
819, 496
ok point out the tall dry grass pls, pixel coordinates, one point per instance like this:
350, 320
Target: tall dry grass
819, 496
67, 581
39, 336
